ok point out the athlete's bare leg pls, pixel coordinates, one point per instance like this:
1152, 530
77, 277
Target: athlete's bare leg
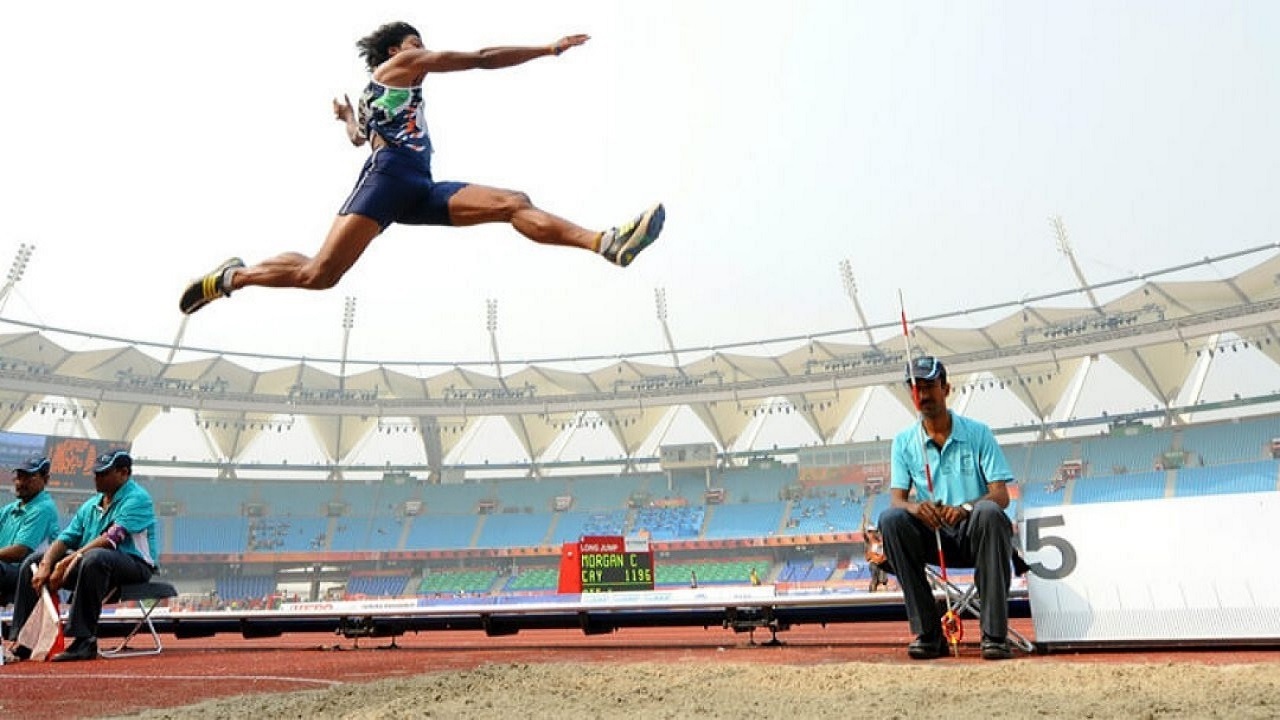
472, 205
347, 240
348, 237
477, 204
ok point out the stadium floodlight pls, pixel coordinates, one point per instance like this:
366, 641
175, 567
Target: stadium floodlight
349, 314
1064, 246
1060, 230
851, 289
16, 270
20, 261
846, 274
348, 322
660, 299
491, 322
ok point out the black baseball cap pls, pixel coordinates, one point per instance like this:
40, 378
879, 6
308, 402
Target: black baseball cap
926, 368
112, 460
34, 464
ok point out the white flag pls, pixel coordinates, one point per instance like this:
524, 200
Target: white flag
42, 632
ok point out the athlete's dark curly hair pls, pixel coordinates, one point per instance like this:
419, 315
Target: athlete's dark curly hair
375, 47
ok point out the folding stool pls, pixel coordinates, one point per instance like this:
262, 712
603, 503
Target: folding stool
141, 593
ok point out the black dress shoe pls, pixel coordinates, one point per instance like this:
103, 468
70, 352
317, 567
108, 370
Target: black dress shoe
927, 648
996, 649
81, 649
17, 654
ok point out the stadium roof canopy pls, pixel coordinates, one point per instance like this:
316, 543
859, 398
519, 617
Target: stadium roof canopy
1163, 333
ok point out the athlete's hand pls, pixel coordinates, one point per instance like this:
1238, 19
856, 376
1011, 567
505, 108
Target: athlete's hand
567, 42
343, 110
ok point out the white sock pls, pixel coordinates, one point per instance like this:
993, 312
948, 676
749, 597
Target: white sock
607, 238
226, 279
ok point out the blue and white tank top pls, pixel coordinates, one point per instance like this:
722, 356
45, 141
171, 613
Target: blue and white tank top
397, 115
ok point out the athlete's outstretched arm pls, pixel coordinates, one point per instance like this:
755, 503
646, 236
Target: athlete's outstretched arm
428, 61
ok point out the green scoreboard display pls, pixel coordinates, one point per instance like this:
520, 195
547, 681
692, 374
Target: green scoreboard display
610, 563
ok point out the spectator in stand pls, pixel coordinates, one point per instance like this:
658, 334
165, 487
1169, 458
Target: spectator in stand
755, 577
876, 560
110, 542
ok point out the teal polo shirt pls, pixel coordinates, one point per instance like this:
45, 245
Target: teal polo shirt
33, 523
961, 468
131, 509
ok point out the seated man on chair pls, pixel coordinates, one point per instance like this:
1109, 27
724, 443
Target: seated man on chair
966, 507
110, 542
27, 524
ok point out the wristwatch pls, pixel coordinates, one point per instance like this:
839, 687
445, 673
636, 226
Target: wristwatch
967, 507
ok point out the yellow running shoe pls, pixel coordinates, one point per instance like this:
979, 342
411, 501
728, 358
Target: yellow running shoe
621, 244
207, 288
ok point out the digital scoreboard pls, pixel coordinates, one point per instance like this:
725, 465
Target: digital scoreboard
610, 563
72, 460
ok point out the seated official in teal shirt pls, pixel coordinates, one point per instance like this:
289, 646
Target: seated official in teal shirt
28, 524
110, 542
960, 503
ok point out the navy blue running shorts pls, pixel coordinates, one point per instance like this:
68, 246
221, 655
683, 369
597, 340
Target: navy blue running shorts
395, 186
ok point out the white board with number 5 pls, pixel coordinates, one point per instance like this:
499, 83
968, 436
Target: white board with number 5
1179, 569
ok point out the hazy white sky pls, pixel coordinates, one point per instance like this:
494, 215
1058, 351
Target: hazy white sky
925, 142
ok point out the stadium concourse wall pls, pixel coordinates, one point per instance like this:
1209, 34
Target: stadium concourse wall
271, 580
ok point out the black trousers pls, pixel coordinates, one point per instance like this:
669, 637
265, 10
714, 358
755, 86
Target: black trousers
8, 580
98, 573
983, 541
